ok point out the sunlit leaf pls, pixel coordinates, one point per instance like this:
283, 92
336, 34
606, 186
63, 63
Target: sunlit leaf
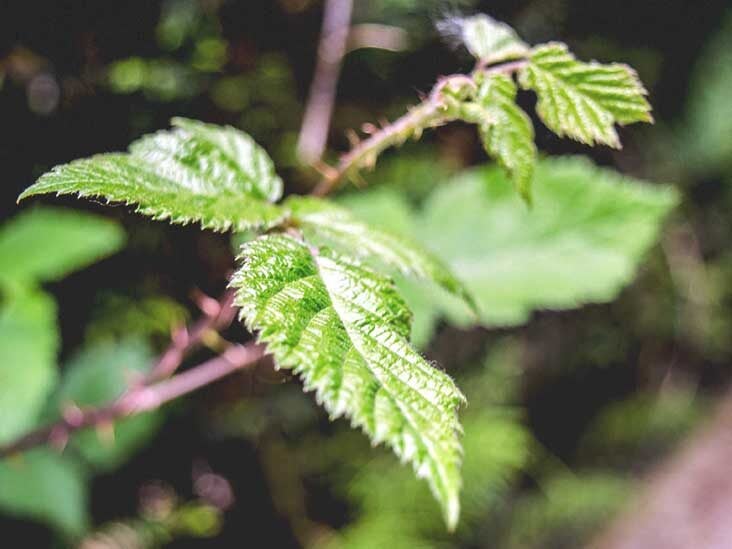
216, 176
584, 101
323, 220
345, 330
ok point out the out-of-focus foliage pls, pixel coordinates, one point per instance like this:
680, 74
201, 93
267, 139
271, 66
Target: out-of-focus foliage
47, 487
41, 245
163, 518
46, 244
706, 131
496, 447
94, 377
532, 259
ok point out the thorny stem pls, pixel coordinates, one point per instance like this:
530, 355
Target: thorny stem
143, 398
159, 388
437, 109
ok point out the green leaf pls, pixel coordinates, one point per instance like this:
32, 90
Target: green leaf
194, 173
706, 131
584, 100
571, 248
28, 345
328, 223
508, 136
491, 41
344, 329
45, 486
47, 244
98, 375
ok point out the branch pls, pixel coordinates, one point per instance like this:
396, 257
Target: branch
140, 399
687, 502
434, 111
319, 109
217, 316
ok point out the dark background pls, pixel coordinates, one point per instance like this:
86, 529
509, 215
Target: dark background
75, 41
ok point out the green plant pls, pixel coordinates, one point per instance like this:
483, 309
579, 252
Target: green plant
314, 281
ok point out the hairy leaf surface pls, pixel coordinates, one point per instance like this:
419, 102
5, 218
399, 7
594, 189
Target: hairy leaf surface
509, 135
216, 176
331, 224
28, 345
491, 41
344, 329
571, 248
584, 101
47, 243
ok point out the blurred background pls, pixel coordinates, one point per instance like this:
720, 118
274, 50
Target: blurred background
571, 411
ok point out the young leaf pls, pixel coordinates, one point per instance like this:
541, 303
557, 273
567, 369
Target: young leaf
322, 220
47, 243
571, 248
193, 173
509, 134
28, 344
584, 100
46, 486
489, 40
344, 328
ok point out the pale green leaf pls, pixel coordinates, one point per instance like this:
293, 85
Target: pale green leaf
580, 243
344, 329
48, 243
98, 375
706, 131
194, 173
508, 135
584, 101
28, 345
491, 41
328, 223
45, 486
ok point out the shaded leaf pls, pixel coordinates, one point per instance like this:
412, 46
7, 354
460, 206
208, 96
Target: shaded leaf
48, 243
47, 487
344, 329
28, 345
584, 101
96, 376
194, 173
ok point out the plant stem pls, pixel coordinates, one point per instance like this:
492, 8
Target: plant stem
434, 111
321, 100
143, 398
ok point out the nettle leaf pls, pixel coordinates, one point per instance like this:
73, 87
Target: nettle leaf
584, 100
46, 244
328, 223
28, 345
571, 248
491, 41
508, 135
197, 172
344, 328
